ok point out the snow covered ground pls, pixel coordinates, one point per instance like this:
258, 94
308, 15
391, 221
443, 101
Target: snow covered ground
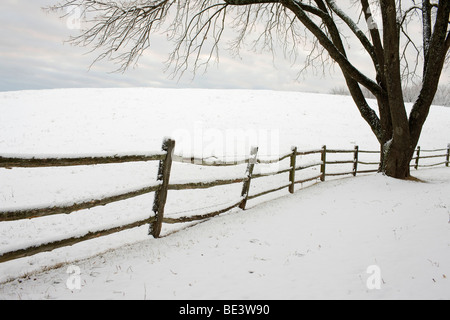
368, 237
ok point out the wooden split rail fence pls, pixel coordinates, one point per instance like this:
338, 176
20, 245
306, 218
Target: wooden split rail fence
162, 185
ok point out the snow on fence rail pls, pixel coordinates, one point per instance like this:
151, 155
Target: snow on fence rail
161, 187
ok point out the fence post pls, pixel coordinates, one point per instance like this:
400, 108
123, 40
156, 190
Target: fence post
292, 172
323, 165
159, 201
448, 155
248, 178
416, 166
355, 161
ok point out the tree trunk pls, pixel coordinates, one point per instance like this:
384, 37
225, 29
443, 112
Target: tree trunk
396, 159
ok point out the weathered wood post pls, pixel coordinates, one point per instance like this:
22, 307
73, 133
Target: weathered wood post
292, 172
447, 159
248, 177
323, 165
416, 166
355, 161
159, 201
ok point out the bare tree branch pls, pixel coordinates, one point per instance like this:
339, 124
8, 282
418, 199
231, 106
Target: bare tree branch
118, 26
337, 56
358, 32
438, 49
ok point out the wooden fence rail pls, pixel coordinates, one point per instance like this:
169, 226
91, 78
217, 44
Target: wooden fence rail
163, 185
67, 209
33, 162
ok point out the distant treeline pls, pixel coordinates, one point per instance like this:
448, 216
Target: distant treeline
410, 94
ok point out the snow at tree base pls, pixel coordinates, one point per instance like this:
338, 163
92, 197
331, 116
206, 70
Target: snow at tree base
364, 237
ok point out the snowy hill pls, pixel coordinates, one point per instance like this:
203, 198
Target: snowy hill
317, 243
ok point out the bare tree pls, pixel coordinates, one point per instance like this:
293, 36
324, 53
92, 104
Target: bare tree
122, 30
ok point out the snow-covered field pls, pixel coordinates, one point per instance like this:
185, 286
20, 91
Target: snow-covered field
367, 237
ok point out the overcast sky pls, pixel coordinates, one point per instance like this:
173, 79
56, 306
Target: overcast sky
34, 55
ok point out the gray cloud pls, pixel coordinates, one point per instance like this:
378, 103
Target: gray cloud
34, 55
